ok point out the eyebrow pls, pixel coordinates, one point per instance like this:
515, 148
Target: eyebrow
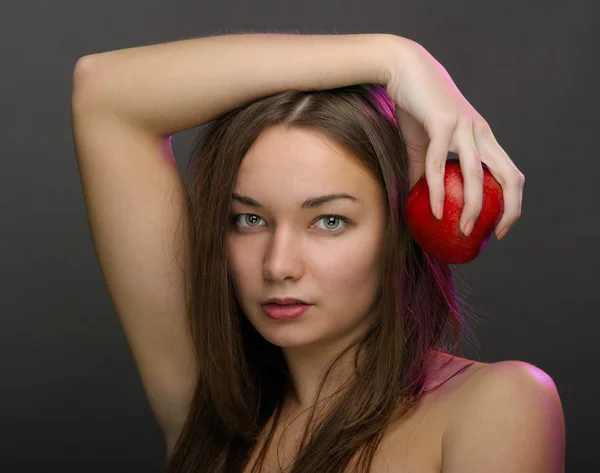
309, 203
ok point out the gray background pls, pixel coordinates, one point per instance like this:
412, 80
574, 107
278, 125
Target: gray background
71, 397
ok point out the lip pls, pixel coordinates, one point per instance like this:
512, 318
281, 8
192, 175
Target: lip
284, 300
285, 312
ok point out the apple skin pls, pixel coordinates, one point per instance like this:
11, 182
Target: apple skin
443, 239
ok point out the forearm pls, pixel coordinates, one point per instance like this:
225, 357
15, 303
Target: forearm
171, 87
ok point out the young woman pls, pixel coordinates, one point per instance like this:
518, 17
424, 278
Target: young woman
296, 194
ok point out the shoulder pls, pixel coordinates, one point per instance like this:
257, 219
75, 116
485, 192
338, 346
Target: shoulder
509, 383
508, 413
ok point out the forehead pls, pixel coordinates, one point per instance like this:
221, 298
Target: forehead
302, 161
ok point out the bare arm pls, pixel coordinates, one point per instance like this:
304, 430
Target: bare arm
176, 86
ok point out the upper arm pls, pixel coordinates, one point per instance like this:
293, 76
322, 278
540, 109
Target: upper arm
137, 209
511, 421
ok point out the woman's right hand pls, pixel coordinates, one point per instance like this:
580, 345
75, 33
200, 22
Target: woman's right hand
435, 118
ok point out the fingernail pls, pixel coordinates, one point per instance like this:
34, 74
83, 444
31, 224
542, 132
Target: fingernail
468, 227
503, 233
439, 210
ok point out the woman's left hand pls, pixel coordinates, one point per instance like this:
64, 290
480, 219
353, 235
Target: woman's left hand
435, 118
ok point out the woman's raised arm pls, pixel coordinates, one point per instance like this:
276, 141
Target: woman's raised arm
171, 87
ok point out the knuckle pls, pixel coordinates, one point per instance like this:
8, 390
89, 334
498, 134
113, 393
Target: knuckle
515, 176
518, 211
437, 166
515, 215
475, 170
464, 120
446, 120
481, 127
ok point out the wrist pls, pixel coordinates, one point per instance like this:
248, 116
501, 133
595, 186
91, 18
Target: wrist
395, 54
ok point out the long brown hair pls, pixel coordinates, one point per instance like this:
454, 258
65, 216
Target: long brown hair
243, 379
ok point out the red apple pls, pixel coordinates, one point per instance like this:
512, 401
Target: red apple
443, 238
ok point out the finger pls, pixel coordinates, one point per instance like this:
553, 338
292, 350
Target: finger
463, 144
513, 200
504, 170
416, 140
435, 165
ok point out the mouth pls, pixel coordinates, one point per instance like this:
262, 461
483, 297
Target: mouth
285, 311
286, 305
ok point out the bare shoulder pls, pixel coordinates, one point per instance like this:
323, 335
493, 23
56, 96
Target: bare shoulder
467, 403
479, 378
507, 376
512, 405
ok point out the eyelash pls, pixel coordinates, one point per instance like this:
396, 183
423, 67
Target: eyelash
343, 218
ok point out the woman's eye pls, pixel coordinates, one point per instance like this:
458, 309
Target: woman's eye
247, 219
328, 219
251, 220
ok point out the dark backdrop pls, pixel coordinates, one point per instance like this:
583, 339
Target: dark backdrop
70, 394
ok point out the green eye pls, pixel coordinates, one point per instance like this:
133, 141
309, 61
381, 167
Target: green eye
251, 220
250, 216
338, 218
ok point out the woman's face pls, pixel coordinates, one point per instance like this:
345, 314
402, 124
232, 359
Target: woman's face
283, 250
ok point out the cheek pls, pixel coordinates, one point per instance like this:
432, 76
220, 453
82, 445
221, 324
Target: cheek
245, 266
348, 270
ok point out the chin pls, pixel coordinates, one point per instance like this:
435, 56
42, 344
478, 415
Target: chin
288, 336
300, 333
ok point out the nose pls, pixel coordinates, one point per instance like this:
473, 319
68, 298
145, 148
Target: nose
283, 259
